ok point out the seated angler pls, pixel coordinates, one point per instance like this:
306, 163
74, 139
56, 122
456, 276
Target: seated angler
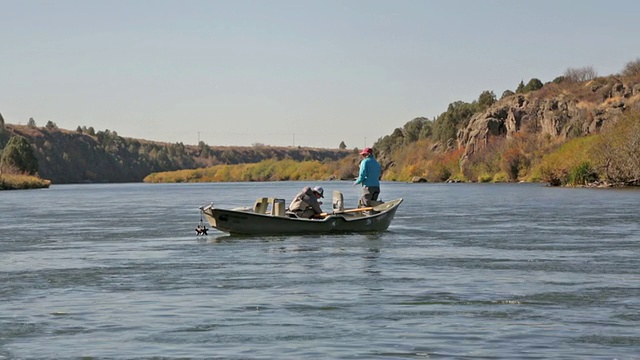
306, 204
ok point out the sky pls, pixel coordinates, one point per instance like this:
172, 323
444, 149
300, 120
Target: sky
289, 72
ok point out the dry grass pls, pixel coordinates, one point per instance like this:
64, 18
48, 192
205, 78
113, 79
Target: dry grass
20, 182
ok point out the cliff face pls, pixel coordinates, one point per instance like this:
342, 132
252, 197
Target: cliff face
557, 110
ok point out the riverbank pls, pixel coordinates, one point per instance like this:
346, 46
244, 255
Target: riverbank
22, 182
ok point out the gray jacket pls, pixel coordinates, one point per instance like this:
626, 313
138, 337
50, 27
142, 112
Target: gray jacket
305, 201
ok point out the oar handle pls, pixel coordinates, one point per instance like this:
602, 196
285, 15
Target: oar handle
347, 211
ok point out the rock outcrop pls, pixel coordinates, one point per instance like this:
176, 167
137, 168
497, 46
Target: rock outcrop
557, 110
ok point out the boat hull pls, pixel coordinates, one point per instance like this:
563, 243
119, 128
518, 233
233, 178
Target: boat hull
247, 222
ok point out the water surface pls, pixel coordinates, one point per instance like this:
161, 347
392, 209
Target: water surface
474, 271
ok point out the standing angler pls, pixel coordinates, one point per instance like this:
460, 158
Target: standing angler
369, 177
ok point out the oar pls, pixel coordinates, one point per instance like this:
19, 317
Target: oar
347, 211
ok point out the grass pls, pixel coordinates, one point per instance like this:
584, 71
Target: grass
21, 182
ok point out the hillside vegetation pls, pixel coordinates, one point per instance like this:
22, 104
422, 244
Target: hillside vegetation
577, 129
87, 156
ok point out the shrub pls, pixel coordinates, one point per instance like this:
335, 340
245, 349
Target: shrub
445, 166
566, 164
485, 178
582, 174
501, 177
15, 182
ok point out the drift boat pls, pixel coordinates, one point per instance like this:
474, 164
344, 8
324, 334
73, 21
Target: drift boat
269, 217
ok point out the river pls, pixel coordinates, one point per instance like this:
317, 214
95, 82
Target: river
465, 271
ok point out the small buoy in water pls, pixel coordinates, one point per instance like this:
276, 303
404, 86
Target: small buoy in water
201, 230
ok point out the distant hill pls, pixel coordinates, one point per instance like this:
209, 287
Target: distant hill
85, 156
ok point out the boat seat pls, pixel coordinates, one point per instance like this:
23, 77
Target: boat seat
338, 201
260, 207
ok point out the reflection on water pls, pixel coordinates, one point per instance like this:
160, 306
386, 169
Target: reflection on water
465, 271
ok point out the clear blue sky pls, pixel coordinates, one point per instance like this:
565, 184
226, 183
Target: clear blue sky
308, 73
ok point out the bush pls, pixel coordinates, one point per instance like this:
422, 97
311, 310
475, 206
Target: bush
567, 164
485, 178
21, 182
501, 177
582, 174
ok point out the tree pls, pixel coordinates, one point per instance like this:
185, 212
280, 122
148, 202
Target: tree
205, 151
4, 134
506, 93
51, 125
533, 85
19, 155
520, 88
427, 130
580, 74
31, 123
558, 80
342, 145
618, 152
632, 68
413, 129
486, 99
446, 125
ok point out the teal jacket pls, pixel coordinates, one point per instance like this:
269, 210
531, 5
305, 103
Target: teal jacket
369, 174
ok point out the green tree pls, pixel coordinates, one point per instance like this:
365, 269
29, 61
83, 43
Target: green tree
389, 143
31, 123
19, 155
342, 145
51, 125
533, 85
506, 93
427, 130
520, 88
446, 125
413, 129
486, 99
205, 151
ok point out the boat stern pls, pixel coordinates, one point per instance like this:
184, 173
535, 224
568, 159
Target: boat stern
208, 214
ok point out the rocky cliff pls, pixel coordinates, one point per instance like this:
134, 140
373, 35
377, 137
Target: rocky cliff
559, 110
